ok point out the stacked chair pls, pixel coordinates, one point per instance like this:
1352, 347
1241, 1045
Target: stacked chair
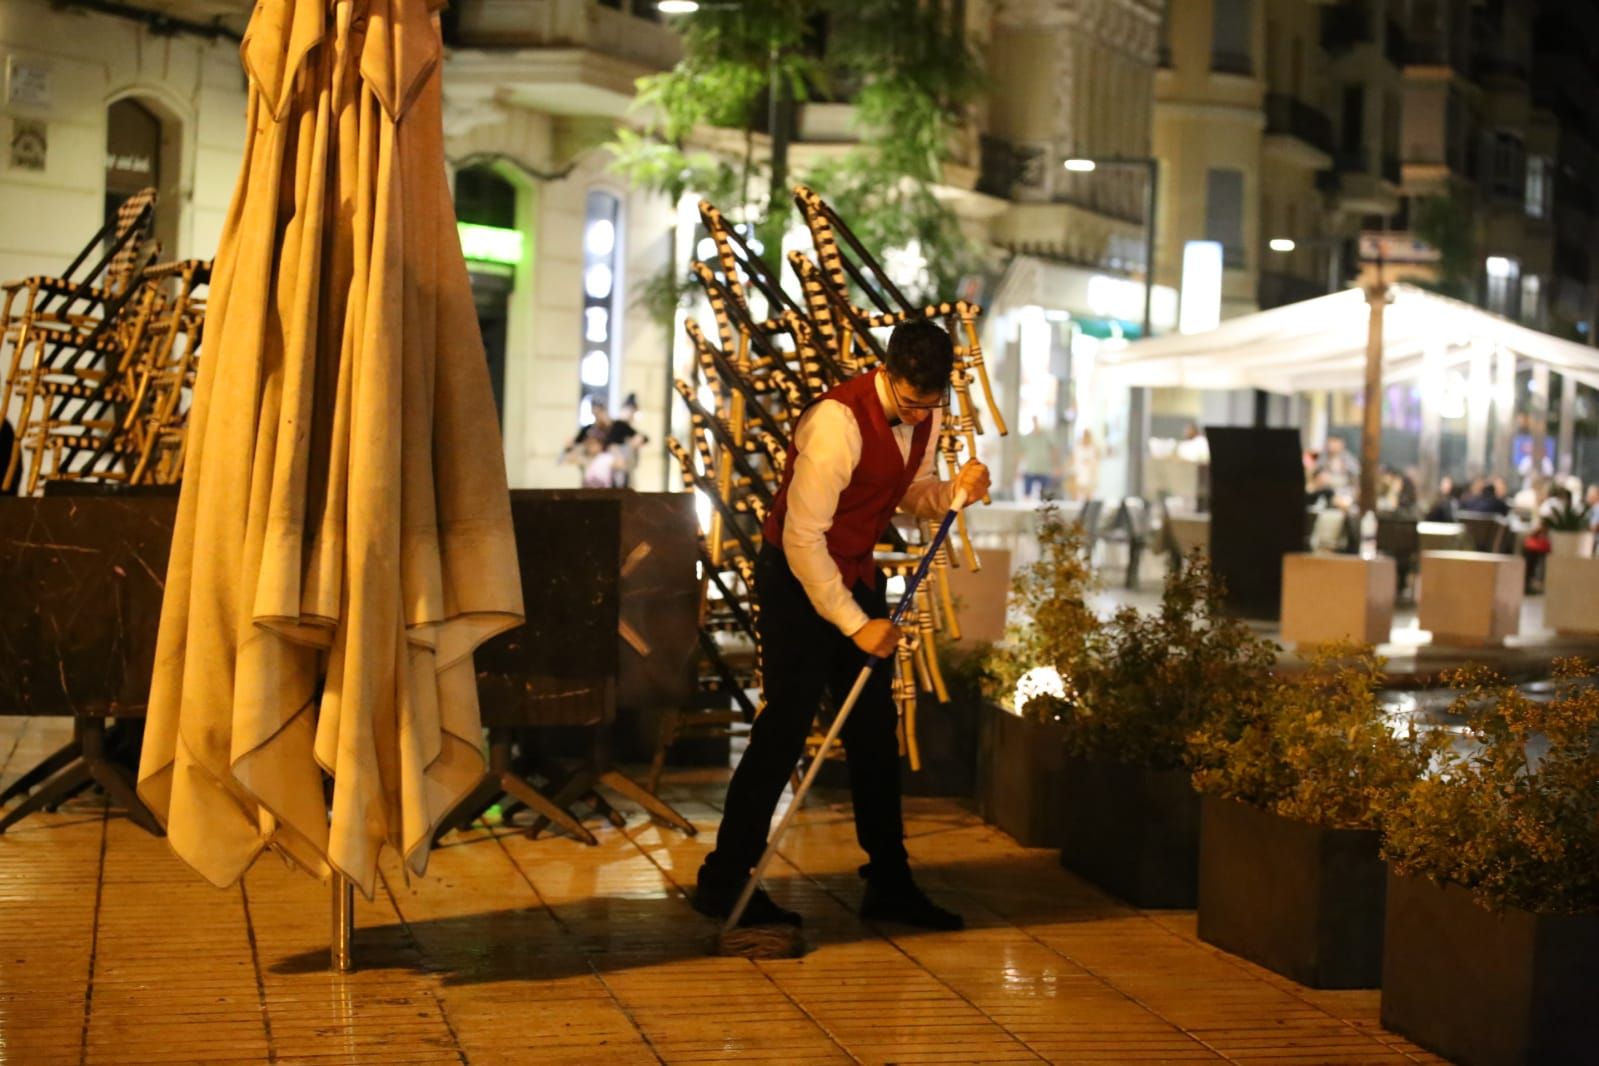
772, 354
100, 360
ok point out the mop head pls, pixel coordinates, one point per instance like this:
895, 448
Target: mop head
760, 942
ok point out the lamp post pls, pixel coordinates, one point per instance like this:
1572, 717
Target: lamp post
1138, 408
1151, 167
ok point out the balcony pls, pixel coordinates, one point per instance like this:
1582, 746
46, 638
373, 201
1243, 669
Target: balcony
1345, 27
1231, 63
1352, 161
1289, 117
1393, 44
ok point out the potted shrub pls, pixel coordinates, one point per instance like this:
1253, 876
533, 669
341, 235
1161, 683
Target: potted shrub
1289, 871
1020, 736
1569, 530
1492, 947
1140, 684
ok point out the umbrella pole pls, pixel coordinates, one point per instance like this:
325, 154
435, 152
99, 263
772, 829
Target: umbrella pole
343, 923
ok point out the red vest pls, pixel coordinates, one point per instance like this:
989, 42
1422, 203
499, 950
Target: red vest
867, 504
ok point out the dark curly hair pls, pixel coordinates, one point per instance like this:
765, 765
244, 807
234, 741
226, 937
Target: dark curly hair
921, 354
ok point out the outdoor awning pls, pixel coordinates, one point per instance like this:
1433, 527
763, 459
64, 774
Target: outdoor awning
1321, 344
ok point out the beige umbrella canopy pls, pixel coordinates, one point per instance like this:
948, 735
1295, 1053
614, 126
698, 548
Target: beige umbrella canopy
344, 537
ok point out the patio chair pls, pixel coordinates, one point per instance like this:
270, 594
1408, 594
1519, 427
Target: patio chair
1130, 526
1400, 538
1486, 532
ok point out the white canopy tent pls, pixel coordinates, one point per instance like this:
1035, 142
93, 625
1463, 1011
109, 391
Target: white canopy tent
1321, 344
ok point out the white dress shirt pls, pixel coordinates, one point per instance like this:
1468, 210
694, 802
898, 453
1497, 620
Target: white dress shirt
827, 448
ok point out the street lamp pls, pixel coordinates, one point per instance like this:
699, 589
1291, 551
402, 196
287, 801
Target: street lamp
1138, 408
1151, 166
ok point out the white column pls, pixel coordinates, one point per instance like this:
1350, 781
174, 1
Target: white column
1479, 397
1504, 412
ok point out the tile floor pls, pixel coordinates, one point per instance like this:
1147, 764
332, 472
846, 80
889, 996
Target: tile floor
521, 951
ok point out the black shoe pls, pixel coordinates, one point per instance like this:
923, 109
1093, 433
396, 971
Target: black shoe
899, 900
715, 896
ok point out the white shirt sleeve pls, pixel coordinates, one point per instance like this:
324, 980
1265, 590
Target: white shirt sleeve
927, 496
827, 449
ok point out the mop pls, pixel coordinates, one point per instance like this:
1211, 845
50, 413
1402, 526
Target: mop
785, 941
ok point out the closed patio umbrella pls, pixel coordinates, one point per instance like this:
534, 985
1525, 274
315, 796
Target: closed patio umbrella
344, 536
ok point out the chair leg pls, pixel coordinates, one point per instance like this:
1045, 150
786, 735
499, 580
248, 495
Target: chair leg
664, 740
1135, 552
658, 808
549, 811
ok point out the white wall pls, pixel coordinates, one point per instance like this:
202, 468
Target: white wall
195, 86
544, 338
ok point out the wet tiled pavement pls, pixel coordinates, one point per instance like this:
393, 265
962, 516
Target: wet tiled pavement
545, 951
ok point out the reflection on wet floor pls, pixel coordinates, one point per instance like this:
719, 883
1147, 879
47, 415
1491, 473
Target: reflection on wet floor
517, 951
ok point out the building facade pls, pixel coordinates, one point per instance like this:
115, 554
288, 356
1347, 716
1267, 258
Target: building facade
96, 108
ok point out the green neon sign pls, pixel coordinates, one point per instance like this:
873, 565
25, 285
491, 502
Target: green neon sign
490, 244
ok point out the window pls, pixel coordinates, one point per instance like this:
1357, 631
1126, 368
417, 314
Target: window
1540, 183
1231, 37
1504, 284
601, 283
1353, 132
1224, 213
1507, 165
1532, 300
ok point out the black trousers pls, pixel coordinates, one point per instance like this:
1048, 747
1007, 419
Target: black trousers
803, 655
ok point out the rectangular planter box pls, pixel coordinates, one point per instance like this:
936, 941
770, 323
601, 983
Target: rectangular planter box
1018, 776
946, 734
1296, 898
1485, 989
1132, 831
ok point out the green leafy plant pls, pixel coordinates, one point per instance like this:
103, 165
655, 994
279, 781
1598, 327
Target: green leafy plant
1569, 517
1053, 628
1133, 687
1446, 223
1159, 677
910, 75
1511, 812
1318, 748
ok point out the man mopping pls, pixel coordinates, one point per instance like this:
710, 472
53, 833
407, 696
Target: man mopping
863, 451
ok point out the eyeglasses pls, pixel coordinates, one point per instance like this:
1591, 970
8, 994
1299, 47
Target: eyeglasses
906, 405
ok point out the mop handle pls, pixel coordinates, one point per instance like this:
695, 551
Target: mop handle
865, 675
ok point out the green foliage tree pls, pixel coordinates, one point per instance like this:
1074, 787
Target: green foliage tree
1445, 223
912, 76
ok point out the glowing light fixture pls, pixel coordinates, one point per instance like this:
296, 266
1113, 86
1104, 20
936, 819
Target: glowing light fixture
490, 244
1039, 681
600, 238
1080, 166
1281, 244
677, 7
1498, 266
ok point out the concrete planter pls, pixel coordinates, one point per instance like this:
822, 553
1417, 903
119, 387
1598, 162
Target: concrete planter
1018, 776
1132, 831
1302, 900
1486, 989
1571, 544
